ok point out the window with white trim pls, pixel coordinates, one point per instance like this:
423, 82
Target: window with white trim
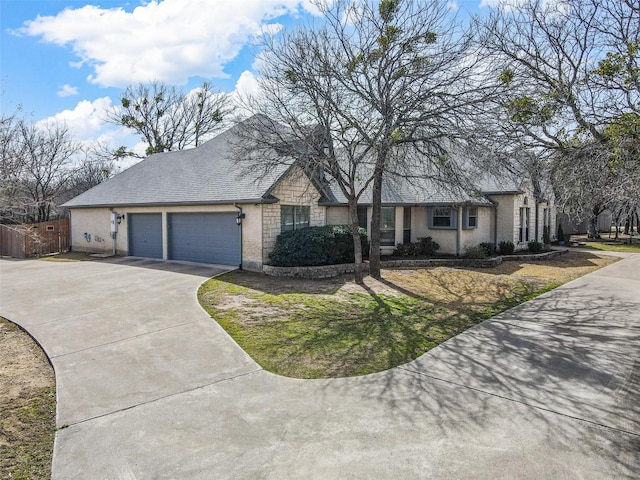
388, 226
293, 217
470, 218
443, 217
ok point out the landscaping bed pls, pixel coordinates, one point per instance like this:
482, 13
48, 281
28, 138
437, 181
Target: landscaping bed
334, 327
330, 271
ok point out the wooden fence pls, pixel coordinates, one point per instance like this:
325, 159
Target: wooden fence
32, 240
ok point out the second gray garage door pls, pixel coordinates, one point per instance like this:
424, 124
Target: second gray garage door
145, 234
204, 237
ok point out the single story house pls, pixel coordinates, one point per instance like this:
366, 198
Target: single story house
195, 205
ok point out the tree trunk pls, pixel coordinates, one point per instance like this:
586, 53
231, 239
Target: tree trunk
592, 229
374, 254
357, 243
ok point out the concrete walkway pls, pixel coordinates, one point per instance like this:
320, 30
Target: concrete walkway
151, 388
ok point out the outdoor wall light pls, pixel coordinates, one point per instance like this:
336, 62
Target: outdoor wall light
239, 218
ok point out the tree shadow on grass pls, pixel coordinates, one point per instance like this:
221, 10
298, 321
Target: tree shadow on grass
284, 285
560, 374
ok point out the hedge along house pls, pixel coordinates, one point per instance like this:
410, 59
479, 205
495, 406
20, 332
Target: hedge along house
196, 205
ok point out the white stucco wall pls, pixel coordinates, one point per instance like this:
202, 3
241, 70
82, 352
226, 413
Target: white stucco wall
91, 231
447, 237
95, 222
482, 233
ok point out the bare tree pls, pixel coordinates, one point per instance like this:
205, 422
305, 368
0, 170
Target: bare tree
377, 89
36, 165
98, 163
169, 119
572, 70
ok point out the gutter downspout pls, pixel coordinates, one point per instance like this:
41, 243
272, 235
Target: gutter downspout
240, 215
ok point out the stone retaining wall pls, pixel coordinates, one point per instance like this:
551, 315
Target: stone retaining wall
329, 271
444, 262
323, 271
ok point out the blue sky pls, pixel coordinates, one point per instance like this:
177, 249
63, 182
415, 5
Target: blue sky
71, 59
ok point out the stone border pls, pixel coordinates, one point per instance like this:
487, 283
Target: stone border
322, 271
443, 262
330, 271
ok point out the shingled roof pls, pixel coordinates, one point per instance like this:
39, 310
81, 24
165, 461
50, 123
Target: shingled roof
209, 175
204, 175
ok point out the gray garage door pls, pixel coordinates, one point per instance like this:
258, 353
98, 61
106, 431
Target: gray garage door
145, 234
204, 237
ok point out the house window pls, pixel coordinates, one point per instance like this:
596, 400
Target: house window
362, 217
406, 225
443, 217
523, 235
388, 226
293, 217
470, 217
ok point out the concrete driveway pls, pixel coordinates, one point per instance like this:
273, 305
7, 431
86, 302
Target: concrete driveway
152, 388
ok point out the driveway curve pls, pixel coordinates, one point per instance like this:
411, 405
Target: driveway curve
151, 388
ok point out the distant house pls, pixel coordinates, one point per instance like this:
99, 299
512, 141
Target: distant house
195, 205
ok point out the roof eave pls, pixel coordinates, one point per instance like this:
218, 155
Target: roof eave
178, 204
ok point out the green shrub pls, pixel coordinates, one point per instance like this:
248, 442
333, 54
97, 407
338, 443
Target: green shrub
406, 250
489, 248
426, 246
535, 247
423, 247
546, 235
506, 248
475, 251
311, 246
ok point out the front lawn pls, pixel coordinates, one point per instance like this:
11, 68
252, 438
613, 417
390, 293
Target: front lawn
614, 246
335, 328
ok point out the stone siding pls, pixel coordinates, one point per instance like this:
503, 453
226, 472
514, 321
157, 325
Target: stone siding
293, 189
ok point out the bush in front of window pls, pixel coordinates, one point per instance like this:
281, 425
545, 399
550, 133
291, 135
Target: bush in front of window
313, 246
489, 248
423, 247
475, 251
506, 248
535, 247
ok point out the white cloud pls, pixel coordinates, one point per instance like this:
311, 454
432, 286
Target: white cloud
87, 124
86, 120
508, 5
67, 91
247, 84
168, 40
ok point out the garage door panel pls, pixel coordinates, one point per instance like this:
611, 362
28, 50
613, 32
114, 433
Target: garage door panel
145, 235
204, 237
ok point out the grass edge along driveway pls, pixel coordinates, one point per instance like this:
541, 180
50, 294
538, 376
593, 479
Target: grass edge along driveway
335, 328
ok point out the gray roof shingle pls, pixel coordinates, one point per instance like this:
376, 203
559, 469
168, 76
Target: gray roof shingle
207, 174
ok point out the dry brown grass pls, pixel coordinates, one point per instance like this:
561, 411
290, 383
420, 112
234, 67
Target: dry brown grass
334, 327
27, 406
